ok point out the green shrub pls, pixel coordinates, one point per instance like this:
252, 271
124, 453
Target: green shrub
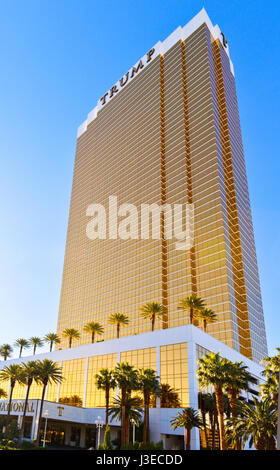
107, 445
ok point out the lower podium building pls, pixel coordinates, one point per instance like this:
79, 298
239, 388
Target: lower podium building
173, 353
159, 211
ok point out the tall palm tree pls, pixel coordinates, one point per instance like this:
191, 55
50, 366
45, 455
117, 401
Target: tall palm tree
126, 378
71, 333
236, 381
206, 315
256, 424
6, 351
36, 342
118, 319
148, 383
13, 374
51, 338
29, 373
188, 419
212, 372
48, 372
152, 311
191, 304
94, 328
22, 343
105, 381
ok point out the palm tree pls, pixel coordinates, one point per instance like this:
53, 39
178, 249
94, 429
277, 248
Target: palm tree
51, 338
13, 374
6, 351
126, 378
270, 387
188, 419
71, 334
105, 381
48, 372
94, 328
212, 372
257, 423
169, 397
133, 411
148, 383
191, 304
36, 342
152, 311
206, 315
3, 394
73, 400
118, 319
21, 343
28, 374
236, 381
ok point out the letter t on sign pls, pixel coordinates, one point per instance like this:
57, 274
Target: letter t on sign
60, 408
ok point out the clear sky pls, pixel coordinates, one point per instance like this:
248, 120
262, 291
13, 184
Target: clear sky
57, 59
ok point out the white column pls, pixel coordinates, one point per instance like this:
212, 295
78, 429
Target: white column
158, 372
85, 383
193, 391
58, 385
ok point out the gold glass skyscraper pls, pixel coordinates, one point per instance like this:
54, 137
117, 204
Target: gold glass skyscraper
167, 132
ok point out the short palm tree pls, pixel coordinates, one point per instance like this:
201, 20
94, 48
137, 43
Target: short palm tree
206, 315
22, 343
152, 311
71, 333
212, 371
94, 328
118, 319
191, 304
188, 419
36, 342
13, 374
6, 351
29, 373
271, 373
47, 372
256, 424
169, 397
148, 383
133, 410
51, 338
105, 381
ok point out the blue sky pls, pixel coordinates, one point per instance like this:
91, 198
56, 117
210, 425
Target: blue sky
57, 59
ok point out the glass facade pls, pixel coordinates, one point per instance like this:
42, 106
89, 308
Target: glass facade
73, 373
95, 397
174, 370
171, 135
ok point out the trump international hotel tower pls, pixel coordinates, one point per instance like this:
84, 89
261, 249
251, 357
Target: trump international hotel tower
167, 132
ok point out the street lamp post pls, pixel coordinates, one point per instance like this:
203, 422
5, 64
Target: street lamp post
46, 414
99, 424
133, 422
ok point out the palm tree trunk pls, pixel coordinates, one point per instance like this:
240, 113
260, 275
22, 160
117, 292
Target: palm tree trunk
188, 438
123, 418
107, 396
220, 409
92, 337
204, 325
51, 345
20, 351
70, 342
153, 322
34, 350
118, 330
24, 411
10, 398
191, 315
40, 414
146, 423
